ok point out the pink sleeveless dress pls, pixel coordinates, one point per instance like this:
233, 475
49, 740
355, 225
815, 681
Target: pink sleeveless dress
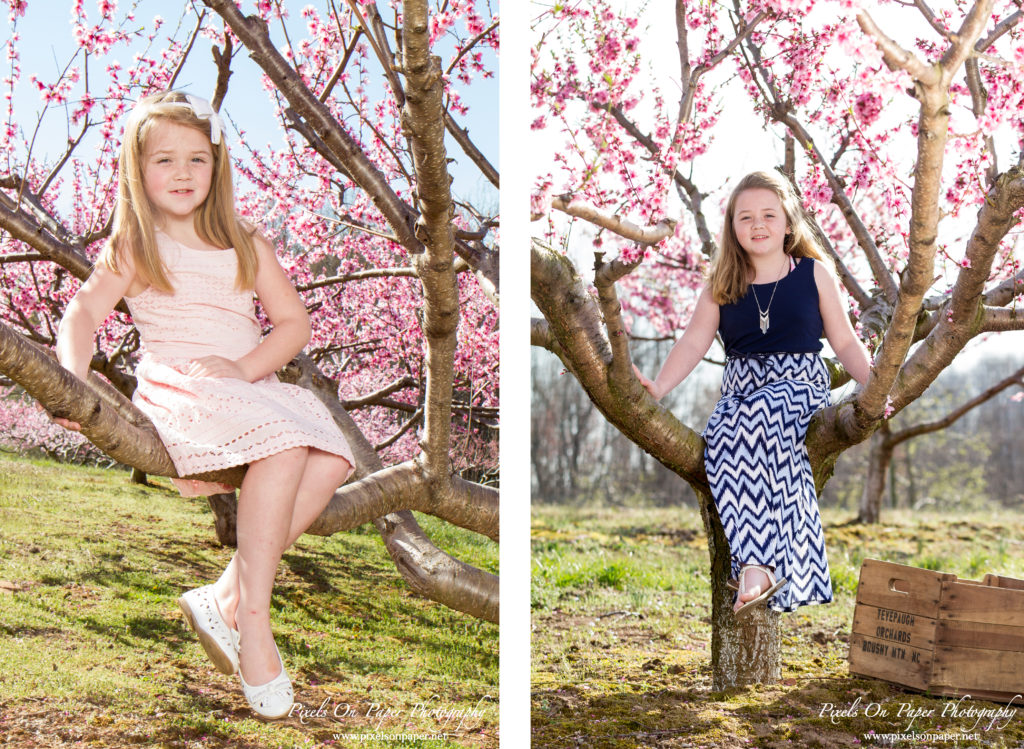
208, 423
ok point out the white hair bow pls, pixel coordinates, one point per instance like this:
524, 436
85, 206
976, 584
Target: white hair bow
201, 108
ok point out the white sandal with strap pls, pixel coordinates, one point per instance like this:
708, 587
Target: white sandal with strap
773, 587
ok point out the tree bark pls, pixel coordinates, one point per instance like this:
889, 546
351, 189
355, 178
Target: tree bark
426, 569
741, 653
879, 462
225, 517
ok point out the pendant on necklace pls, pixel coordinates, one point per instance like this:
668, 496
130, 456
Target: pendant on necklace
764, 322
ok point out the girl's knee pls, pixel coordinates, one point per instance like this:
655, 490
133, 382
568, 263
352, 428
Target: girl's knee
334, 465
340, 468
293, 456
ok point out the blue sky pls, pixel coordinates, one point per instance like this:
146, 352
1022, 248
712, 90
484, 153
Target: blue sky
46, 46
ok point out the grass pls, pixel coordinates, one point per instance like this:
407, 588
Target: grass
621, 635
96, 653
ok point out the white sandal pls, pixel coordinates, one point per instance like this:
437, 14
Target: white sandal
218, 640
272, 700
773, 588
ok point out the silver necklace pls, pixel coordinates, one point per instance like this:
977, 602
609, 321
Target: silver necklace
763, 313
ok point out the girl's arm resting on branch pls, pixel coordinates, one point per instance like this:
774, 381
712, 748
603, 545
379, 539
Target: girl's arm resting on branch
287, 313
844, 342
688, 350
90, 307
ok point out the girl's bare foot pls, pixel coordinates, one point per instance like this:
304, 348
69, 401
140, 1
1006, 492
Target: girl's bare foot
753, 581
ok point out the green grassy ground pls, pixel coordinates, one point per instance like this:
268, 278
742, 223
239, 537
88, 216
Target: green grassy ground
621, 635
94, 651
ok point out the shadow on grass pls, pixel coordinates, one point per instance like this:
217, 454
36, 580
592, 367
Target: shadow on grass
570, 717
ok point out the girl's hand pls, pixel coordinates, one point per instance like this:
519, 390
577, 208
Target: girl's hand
646, 383
74, 426
215, 366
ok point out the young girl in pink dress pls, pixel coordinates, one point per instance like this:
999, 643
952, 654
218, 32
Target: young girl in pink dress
188, 269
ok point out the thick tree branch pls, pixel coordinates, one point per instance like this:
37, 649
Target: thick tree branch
997, 320
929, 16
933, 125
21, 257
427, 569
964, 42
643, 235
952, 325
574, 322
605, 277
222, 59
39, 214
402, 487
1001, 28
25, 229
422, 120
895, 56
1004, 293
108, 419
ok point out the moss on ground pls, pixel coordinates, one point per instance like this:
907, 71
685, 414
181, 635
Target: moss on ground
624, 661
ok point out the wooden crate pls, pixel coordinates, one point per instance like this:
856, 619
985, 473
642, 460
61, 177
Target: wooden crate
931, 631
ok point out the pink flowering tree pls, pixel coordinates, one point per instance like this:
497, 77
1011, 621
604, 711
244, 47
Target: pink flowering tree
901, 130
397, 268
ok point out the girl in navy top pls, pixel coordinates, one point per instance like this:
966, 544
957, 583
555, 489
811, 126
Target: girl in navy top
771, 293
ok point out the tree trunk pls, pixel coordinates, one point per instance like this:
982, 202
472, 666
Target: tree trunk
911, 486
225, 517
741, 654
879, 460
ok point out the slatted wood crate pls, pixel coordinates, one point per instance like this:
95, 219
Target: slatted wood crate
932, 631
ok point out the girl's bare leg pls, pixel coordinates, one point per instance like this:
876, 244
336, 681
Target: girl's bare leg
322, 474
265, 506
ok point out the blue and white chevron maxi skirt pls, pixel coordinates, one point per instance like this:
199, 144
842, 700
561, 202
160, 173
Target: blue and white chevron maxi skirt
760, 475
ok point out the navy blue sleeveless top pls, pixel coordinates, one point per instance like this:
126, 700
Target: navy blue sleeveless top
795, 319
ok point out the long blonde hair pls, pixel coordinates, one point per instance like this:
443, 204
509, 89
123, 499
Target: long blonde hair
215, 219
731, 269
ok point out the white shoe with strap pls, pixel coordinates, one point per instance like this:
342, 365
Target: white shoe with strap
272, 700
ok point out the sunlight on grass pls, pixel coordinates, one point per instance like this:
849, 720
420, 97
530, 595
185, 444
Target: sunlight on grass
622, 636
96, 651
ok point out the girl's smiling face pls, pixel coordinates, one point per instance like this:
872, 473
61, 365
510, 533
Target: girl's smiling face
177, 168
759, 221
